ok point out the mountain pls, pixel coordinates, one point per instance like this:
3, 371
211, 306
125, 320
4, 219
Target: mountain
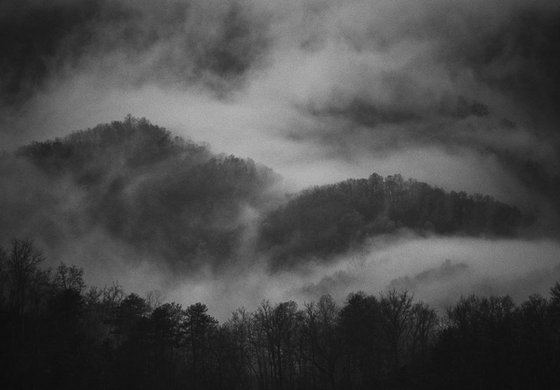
133, 185
139, 187
329, 220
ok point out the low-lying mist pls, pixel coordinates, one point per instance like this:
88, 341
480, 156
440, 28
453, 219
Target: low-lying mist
436, 270
133, 204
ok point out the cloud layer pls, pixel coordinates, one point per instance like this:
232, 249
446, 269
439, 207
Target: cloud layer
318, 90
460, 94
435, 270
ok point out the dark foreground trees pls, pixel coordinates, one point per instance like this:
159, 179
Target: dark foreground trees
57, 334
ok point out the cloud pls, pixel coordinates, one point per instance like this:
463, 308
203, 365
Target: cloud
460, 94
318, 90
447, 270
441, 270
436, 270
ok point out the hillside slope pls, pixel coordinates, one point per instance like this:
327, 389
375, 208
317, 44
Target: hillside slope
137, 185
328, 220
143, 193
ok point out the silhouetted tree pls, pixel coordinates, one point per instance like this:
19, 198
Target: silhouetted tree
22, 264
198, 328
323, 343
60, 335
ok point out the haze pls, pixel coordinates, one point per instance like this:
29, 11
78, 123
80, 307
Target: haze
460, 94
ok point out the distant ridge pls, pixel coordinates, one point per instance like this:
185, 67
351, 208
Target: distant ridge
166, 198
171, 200
329, 219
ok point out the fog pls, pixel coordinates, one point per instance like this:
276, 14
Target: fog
435, 270
460, 94
300, 85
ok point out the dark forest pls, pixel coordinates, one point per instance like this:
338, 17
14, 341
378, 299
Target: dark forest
57, 333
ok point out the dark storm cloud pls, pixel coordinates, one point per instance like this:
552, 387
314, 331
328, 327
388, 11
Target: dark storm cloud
458, 61
519, 57
178, 42
40, 38
344, 83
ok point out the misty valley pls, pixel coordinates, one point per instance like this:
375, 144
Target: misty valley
279, 195
256, 287
175, 202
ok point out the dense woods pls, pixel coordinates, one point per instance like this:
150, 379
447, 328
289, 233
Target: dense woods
330, 219
58, 333
162, 197
158, 196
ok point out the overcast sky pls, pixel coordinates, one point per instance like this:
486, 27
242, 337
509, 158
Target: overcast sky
457, 93
461, 94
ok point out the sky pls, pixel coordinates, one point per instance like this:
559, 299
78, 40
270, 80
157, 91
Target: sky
460, 94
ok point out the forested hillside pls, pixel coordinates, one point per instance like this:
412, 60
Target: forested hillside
56, 333
328, 220
332, 195
166, 198
172, 201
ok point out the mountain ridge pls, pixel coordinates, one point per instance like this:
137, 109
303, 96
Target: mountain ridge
172, 199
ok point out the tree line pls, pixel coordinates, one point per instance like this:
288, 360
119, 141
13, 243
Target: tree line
57, 333
327, 220
176, 201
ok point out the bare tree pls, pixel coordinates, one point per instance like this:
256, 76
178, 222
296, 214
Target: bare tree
21, 266
69, 278
397, 313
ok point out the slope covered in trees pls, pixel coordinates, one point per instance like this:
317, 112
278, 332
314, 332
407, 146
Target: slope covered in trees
134, 189
133, 182
328, 220
58, 334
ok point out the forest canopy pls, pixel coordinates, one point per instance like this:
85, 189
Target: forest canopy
328, 220
57, 333
163, 197
173, 201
